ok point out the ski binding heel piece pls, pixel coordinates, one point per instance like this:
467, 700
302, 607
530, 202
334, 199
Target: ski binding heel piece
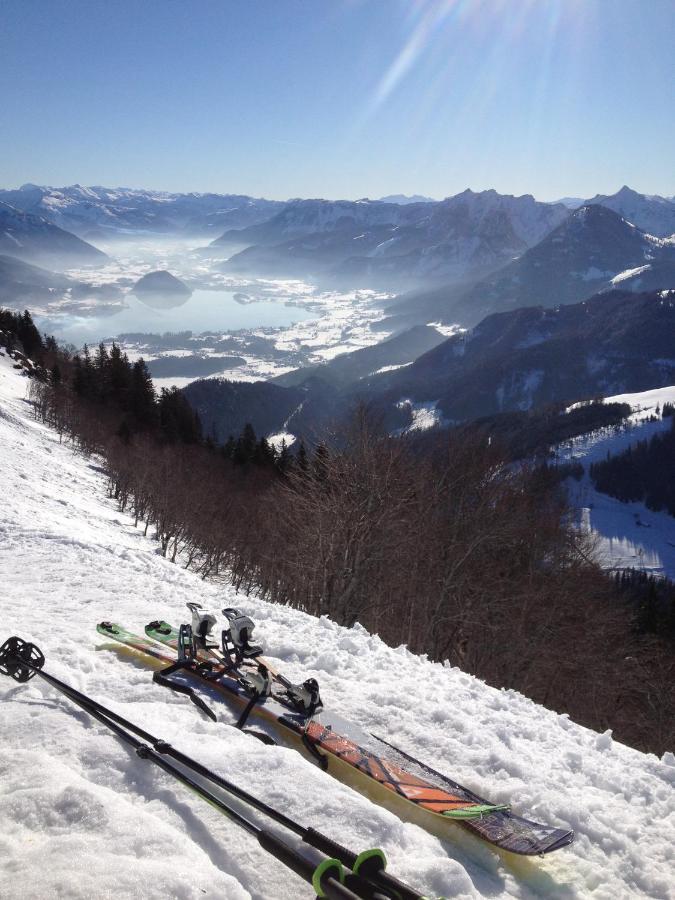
237, 645
203, 623
19, 659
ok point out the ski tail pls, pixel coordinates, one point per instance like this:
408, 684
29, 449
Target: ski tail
500, 827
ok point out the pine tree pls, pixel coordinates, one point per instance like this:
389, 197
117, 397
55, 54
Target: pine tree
142, 397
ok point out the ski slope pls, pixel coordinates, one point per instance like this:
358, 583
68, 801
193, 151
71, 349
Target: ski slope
84, 818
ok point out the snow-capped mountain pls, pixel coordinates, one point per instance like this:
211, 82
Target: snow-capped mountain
301, 218
463, 235
84, 817
31, 237
95, 211
593, 249
393, 245
651, 213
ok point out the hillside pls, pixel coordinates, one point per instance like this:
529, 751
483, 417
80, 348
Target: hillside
611, 343
82, 817
614, 342
628, 534
31, 237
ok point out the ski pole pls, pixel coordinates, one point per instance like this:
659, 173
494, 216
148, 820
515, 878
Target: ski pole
22, 660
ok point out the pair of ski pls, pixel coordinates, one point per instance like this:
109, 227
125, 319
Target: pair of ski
369, 763
336, 872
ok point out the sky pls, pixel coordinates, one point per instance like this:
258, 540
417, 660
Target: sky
340, 98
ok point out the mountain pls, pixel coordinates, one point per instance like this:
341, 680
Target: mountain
611, 343
270, 406
406, 198
301, 218
348, 368
22, 284
592, 250
225, 407
393, 246
570, 202
32, 237
614, 342
460, 239
653, 214
111, 212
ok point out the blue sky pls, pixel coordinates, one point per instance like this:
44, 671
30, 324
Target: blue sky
340, 98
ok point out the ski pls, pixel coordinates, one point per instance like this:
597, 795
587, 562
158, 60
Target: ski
395, 779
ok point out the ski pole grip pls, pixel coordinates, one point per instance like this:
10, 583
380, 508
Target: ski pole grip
321, 876
329, 847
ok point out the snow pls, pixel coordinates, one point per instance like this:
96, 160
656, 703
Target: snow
84, 818
424, 415
280, 438
627, 535
391, 368
629, 273
447, 330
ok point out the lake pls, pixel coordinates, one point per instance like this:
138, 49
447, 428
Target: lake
204, 310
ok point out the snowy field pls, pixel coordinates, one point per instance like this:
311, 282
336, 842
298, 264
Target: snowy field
627, 535
84, 818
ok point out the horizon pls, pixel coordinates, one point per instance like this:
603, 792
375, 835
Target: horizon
143, 188
282, 100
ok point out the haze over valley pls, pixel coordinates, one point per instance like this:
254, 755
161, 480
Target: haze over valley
270, 287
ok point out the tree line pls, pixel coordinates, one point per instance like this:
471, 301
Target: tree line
643, 472
452, 551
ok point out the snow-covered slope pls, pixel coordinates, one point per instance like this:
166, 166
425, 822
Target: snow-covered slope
628, 535
84, 818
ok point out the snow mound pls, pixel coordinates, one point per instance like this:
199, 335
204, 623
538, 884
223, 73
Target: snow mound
83, 817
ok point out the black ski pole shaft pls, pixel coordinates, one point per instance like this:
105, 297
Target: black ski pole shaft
326, 878
369, 866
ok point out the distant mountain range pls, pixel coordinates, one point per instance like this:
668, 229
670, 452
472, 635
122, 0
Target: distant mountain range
593, 249
96, 212
392, 245
406, 198
452, 261
612, 343
653, 214
455, 242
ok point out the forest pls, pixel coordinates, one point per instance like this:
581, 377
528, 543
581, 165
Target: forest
445, 547
643, 472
